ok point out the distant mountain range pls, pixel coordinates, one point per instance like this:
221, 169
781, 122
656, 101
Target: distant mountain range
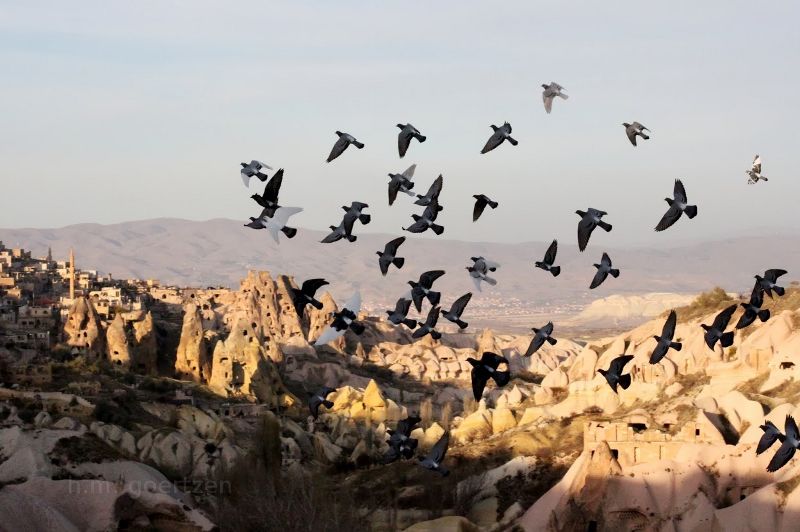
220, 251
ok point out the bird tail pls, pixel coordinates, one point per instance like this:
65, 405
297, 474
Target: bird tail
438, 229
625, 381
443, 471
461, 324
357, 144
562, 95
352, 238
691, 211
501, 377
317, 304
289, 232
365, 218
763, 315
490, 280
606, 226
726, 340
411, 324
779, 290
512, 141
555, 270
262, 177
421, 138
551, 340
327, 404
614, 273
357, 328
493, 204
676, 345
644, 135
398, 262
416, 217
436, 335
434, 297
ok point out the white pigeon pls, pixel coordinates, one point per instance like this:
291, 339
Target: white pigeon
253, 169
279, 220
550, 92
479, 272
342, 321
755, 171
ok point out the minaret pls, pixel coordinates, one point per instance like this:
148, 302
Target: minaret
49, 255
71, 275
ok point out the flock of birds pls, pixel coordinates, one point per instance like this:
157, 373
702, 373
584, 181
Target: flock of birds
274, 218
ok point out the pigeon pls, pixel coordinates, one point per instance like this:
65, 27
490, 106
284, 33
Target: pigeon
770, 436
479, 271
401, 444
422, 289
485, 369
500, 134
344, 230
677, 207
435, 458
398, 315
253, 169
665, 342
550, 92
752, 309
320, 398
388, 257
614, 374
716, 331
590, 220
401, 183
432, 195
755, 171
426, 221
269, 199
354, 211
457, 309
549, 258
407, 132
634, 130
276, 224
603, 269
767, 283
343, 320
429, 327
539, 337
481, 201
789, 444
305, 295
345, 139
261, 222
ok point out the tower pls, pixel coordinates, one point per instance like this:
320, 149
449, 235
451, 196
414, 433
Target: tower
71, 275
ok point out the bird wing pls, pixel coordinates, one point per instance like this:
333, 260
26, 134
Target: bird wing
403, 140
333, 236
354, 303
493, 142
790, 429
439, 449
417, 227
479, 378
409, 173
618, 364
311, 286
402, 306
598, 279
631, 133
772, 275
338, 148
394, 188
550, 254
782, 457
435, 188
770, 436
245, 177
273, 187
282, 215
328, 335
258, 165
491, 359
536, 342
757, 296
431, 212
722, 319
427, 279
548, 328
347, 223
679, 192
547, 98
391, 247
658, 353
433, 317
480, 205
757, 164
605, 260
476, 280
670, 217
585, 228
384, 263
460, 304
668, 331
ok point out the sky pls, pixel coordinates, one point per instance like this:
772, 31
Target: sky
117, 111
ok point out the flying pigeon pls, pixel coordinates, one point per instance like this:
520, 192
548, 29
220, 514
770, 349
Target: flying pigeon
354, 211
603, 269
479, 271
539, 337
407, 132
429, 327
320, 398
789, 444
398, 315
344, 230
342, 320
388, 255
767, 283
401, 183
435, 458
457, 309
500, 134
481, 201
665, 342
752, 309
755, 171
305, 295
263, 218
717, 330
432, 195
614, 374
549, 258
253, 169
422, 289
401, 444
634, 130
677, 207
345, 139
485, 369
550, 92
426, 221
269, 199
770, 436
590, 220
276, 224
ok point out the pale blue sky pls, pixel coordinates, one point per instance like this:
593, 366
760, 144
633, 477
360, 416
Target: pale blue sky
114, 111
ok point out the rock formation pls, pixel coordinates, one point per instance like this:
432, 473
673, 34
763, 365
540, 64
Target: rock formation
82, 328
